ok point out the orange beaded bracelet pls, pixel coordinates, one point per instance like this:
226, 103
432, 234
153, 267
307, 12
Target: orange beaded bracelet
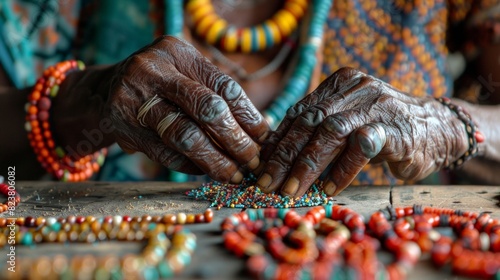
52, 157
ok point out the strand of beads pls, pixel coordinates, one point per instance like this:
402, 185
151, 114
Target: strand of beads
217, 31
168, 249
298, 83
53, 158
333, 241
474, 253
13, 197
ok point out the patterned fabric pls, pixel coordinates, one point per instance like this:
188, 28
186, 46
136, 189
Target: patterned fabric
401, 42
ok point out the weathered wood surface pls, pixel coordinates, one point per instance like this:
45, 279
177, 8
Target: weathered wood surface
211, 260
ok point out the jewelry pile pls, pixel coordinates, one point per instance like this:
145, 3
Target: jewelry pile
168, 249
333, 242
247, 195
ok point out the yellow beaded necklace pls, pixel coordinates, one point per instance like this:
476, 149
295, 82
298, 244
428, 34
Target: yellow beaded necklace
218, 32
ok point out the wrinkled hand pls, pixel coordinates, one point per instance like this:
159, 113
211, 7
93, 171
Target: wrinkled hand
350, 119
218, 131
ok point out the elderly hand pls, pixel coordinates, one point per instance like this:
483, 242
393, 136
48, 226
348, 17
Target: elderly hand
350, 119
171, 103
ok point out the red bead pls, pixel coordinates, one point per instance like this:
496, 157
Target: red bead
199, 218
126, 218
29, 222
209, 215
479, 136
44, 104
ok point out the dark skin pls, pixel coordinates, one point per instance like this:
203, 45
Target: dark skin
220, 130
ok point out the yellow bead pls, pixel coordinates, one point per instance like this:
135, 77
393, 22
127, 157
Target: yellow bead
214, 31
205, 23
282, 18
297, 10
302, 3
273, 27
231, 40
246, 40
261, 37
202, 12
192, 5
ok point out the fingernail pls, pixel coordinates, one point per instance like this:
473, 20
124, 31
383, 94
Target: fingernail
254, 163
237, 177
291, 187
264, 181
330, 188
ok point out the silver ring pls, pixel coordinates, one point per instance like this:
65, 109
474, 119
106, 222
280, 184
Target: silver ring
166, 122
144, 109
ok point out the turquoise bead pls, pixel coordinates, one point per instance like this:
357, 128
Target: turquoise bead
150, 272
269, 271
254, 40
27, 238
251, 215
260, 214
55, 227
282, 213
184, 257
328, 211
268, 35
164, 269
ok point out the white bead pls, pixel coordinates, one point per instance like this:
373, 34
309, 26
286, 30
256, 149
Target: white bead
484, 239
50, 221
117, 220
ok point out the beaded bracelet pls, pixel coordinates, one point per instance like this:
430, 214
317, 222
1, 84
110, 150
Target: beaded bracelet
52, 157
474, 135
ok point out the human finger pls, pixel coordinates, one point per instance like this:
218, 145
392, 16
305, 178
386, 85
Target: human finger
287, 150
364, 144
195, 66
212, 114
180, 133
326, 144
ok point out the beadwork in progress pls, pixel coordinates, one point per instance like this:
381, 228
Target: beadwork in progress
247, 195
168, 248
333, 242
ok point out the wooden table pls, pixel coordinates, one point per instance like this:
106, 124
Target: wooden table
211, 260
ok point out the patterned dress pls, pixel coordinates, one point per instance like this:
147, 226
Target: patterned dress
403, 42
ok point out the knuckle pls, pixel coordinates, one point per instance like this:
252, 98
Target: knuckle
337, 125
311, 119
231, 89
188, 137
284, 156
212, 107
311, 160
296, 110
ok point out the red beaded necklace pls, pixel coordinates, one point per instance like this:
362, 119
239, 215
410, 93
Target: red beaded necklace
333, 241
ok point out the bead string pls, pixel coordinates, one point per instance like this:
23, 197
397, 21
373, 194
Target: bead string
168, 249
53, 158
474, 135
242, 74
218, 32
298, 83
334, 241
4, 189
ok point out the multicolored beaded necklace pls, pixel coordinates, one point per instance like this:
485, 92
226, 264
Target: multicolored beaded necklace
334, 242
217, 31
300, 78
168, 249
